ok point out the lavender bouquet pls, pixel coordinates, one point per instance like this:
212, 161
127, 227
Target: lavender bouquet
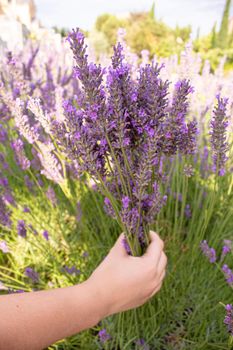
120, 130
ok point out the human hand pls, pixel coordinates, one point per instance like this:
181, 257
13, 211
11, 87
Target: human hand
123, 282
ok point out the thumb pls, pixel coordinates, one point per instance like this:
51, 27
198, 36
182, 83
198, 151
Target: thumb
155, 247
120, 246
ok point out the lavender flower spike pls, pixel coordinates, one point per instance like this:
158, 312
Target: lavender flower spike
42, 117
21, 228
22, 122
227, 247
229, 318
208, 252
4, 247
228, 273
4, 214
21, 159
103, 336
52, 168
218, 136
33, 275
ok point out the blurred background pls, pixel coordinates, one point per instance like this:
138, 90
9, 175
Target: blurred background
162, 27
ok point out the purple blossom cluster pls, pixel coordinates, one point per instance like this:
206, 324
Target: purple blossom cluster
4, 214
209, 252
119, 129
51, 195
32, 274
228, 273
4, 247
103, 336
218, 134
229, 318
227, 248
45, 235
141, 344
21, 159
71, 270
30, 92
21, 228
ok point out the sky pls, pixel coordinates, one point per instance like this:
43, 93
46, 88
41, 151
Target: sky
82, 13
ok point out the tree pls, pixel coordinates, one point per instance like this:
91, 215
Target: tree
152, 11
214, 37
223, 37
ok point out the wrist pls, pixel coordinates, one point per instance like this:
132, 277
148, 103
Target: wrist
96, 291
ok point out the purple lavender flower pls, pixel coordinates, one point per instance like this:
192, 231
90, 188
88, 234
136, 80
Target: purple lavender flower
229, 318
104, 336
3, 162
84, 130
32, 274
228, 273
51, 195
22, 160
35, 162
141, 344
108, 207
218, 135
46, 235
126, 246
21, 228
3, 134
52, 168
26, 209
8, 197
22, 122
85, 254
4, 213
188, 170
227, 247
34, 105
125, 202
4, 247
72, 270
208, 252
48, 90
4, 182
180, 136
28, 183
187, 211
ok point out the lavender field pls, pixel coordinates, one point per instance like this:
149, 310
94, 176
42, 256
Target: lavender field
92, 145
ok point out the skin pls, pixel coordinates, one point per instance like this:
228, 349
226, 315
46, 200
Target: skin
121, 282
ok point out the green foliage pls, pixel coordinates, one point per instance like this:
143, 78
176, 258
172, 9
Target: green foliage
108, 25
152, 11
98, 42
62, 31
144, 31
214, 36
223, 37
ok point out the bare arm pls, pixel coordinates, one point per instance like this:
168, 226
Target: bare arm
121, 282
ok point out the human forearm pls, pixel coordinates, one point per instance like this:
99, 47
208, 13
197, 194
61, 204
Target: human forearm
38, 319
121, 282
